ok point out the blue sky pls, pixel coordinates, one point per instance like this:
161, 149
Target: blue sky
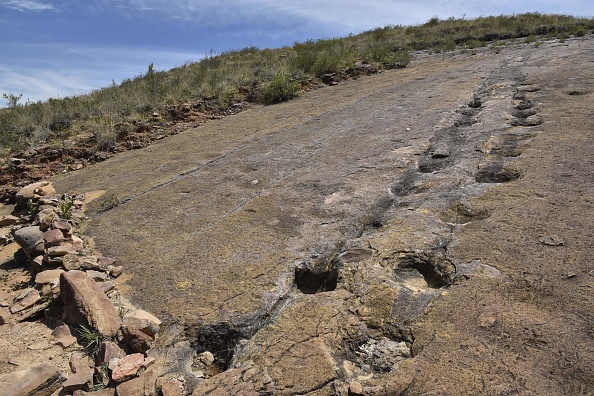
58, 48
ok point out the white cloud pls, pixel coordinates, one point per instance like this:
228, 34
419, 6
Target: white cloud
67, 70
27, 5
339, 15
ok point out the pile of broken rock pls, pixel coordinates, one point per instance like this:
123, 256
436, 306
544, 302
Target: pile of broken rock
72, 289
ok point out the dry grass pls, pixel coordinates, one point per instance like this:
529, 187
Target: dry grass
259, 75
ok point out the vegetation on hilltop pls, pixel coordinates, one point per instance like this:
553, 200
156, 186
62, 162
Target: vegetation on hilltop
218, 82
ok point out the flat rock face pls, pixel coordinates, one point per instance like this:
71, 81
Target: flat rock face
42, 380
377, 236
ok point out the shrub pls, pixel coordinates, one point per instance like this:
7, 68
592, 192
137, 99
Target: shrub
280, 89
65, 207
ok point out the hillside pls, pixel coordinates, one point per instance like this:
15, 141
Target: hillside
421, 231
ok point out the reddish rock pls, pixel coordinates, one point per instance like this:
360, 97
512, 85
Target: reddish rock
116, 271
62, 225
79, 361
126, 368
109, 350
61, 250
144, 321
134, 387
86, 304
78, 380
172, 387
4, 315
53, 238
136, 339
63, 336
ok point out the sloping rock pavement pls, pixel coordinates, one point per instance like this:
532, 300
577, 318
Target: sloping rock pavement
378, 237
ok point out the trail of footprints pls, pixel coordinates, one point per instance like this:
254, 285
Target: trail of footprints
500, 147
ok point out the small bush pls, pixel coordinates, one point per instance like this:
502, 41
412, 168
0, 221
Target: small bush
65, 207
110, 202
280, 89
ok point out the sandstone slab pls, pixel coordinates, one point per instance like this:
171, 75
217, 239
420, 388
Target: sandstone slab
45, 277
41, 380
78, 380
86, 303
267, 208
126, 368
34, 191
24, 300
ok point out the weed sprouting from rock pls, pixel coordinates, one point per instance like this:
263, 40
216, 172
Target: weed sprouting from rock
91, 340
65, 207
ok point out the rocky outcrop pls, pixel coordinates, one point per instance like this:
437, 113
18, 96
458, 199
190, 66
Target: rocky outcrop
76, 282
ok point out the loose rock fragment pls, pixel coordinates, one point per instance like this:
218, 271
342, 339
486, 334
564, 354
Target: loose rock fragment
71, 262
34, 192
110, 350
126, 368
78, 380
25, 299
28, 237
45, 277
8, 220
144, 321
43, 379
86, 303
136, 339
63, 336
552, 240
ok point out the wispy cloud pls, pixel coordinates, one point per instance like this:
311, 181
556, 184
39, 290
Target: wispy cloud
27, 5
67, 70
339, 14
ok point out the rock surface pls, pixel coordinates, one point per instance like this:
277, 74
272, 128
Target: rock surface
385, 232
42, 380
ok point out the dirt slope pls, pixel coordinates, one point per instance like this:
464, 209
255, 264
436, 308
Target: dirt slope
422, 231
